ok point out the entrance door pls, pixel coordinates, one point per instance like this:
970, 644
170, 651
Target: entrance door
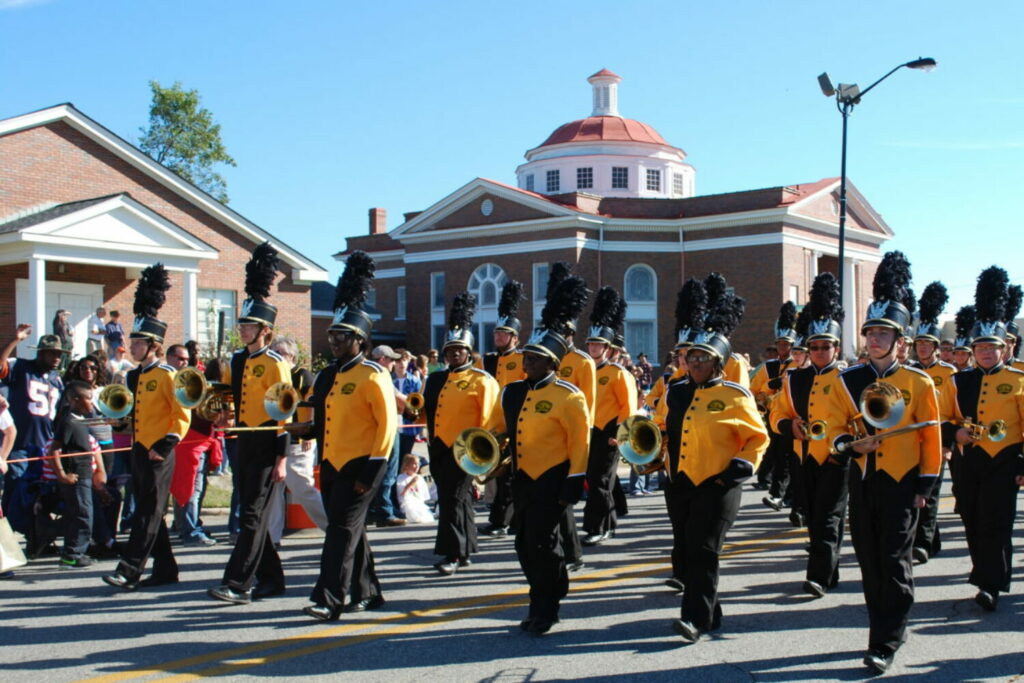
79, 298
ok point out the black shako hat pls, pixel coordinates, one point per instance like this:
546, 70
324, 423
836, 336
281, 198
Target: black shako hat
260, 272
150, 295
508, 306
350, 295
990, 299
930, 307
824, 310
460, 321
889, 291
604, 316
564, 303
725, 311
691, 306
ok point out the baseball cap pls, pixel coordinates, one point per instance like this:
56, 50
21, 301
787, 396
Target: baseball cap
384, 351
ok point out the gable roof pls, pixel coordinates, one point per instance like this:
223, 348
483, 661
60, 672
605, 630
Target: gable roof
305, 269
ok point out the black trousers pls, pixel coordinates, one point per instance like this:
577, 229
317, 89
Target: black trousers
986, 495
780, 450
572, 550
501, 506
826, 495
456, 529
346, 561
599, 511
78, 506
538, 543
254, 558
882, 522
927, 534
700, 517
151, 483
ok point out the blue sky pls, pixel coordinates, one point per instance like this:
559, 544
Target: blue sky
333, 107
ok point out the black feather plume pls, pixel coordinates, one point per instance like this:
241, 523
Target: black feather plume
787, 316
932, 302
691, 305
605, 307
463, 310
558, 271
151, 291
892, 278
910, 302
965, 318
260, 272
1014, 298
511, 295
619, 315
990, 296
564, 304
725, 317
803, 322
824, 300
355, 282
716, 287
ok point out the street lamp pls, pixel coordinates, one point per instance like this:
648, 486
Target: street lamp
848, 95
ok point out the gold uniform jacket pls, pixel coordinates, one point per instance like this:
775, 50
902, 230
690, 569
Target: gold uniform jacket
896, 456
616, 395
455, 400
354, 412
547, 424
767, 380
658, 390
505, 367
250, 375
713, 431
737, 371
986, 396
579, 370
805, 395
156, 413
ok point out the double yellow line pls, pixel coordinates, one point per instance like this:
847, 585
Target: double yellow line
229, 661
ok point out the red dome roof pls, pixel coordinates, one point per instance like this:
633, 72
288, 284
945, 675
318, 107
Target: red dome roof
597, 128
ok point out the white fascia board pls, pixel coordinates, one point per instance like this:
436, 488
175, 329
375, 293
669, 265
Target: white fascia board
498, 249
86, 245
316, 313
852, 193
824, 246
65, 254
306, 277
375, 255
832, 228
386, 273
535, 225
120, 147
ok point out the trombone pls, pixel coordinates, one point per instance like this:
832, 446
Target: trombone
994, 431
640, 444
115, 402
882, 407
414, 402
814, 430
280, 401
478, 453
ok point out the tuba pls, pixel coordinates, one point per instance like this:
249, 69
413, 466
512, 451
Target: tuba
414, 402
814, 430
994, 431
478, 451
189, 387
280, 401
639, 441
115, 401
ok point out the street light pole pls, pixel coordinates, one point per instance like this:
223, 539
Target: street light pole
846, 97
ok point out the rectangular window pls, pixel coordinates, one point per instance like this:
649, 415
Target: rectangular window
554, 184
584, 178
211, 303
540, 282
640, 338
437, 339
529, 182
620, 178
654, 180
794, 294
677, 184
400, 303
486, 341
371, 297
437, 291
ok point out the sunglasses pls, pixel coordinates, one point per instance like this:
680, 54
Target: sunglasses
825, 347
699, 359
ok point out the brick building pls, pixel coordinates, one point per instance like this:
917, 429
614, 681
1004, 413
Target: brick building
82, 211
611, 196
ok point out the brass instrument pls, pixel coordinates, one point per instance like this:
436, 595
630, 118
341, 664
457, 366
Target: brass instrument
115, 401
640, 443
414, 402
280, 401
763, 401
189, 387
994, 431
216, 401
882, 407
814, 430
478, 451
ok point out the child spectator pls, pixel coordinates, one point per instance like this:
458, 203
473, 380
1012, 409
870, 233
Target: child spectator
414, 492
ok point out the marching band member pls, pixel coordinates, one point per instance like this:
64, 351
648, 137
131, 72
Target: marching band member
614, 402
254, 569
456, 399
766, 383
1015, 297
991, 470
927, 538
892, 477
962, 354
355, 418
691, 303
159, 423
549, 442
715, 439
802, 406
506, 366
736, 370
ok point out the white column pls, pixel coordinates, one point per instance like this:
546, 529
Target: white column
851, 325
190, 301
37, 303
815, 255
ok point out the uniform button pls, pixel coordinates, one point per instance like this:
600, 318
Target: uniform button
682, 457
695, 400
688, 417
684, 443
686, 431
521, 419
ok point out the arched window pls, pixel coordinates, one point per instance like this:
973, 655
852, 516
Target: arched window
485, 283
640, 288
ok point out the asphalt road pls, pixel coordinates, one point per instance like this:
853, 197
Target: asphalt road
65, 625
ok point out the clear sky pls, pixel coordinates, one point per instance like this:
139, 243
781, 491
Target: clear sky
330, 108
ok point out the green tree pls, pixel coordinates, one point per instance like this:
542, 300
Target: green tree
183, 136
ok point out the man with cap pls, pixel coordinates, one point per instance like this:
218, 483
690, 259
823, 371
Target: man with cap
505, 364
34, 388
892, 477
773, 473
548, 423
159, 423
927, 538
254, 568
801, 405
382, 510
454, 400
991, 468
615, 401
715, 438
355, 418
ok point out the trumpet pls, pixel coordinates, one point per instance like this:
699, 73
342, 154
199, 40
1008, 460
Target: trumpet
640, 443
882, 407
414, 402
478, 451
994, 431
814, 430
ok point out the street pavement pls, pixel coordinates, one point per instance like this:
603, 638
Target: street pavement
65, 625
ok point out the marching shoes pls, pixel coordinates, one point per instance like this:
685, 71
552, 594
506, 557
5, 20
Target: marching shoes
119, 581
375, 602
877, 661
226, 594
321, 612
814, 589
987, 600
772, 502
596, 539
689, 632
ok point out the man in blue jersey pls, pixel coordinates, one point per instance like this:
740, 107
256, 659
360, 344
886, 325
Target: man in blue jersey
34, 388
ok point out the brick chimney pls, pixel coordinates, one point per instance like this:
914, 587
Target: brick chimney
378, 221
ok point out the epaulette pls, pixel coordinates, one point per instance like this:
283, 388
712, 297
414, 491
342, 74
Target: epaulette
620, 367
743, 389
372, 364
275, 355
577, 351
1013, 369
852, 369
565, 385
241, 351
482, 372
168, 368
917, 370
947, 365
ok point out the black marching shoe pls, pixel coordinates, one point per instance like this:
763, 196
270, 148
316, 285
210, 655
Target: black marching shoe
920, 555
321, 612
877, 661
987, 600
797, 519
595, 539
814, 589
493, 531
572, 567
267, 590
448, 567
226, 594
375, 602
772, 502
540, 625
154, 581
119, 581
465, 562
689, 632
